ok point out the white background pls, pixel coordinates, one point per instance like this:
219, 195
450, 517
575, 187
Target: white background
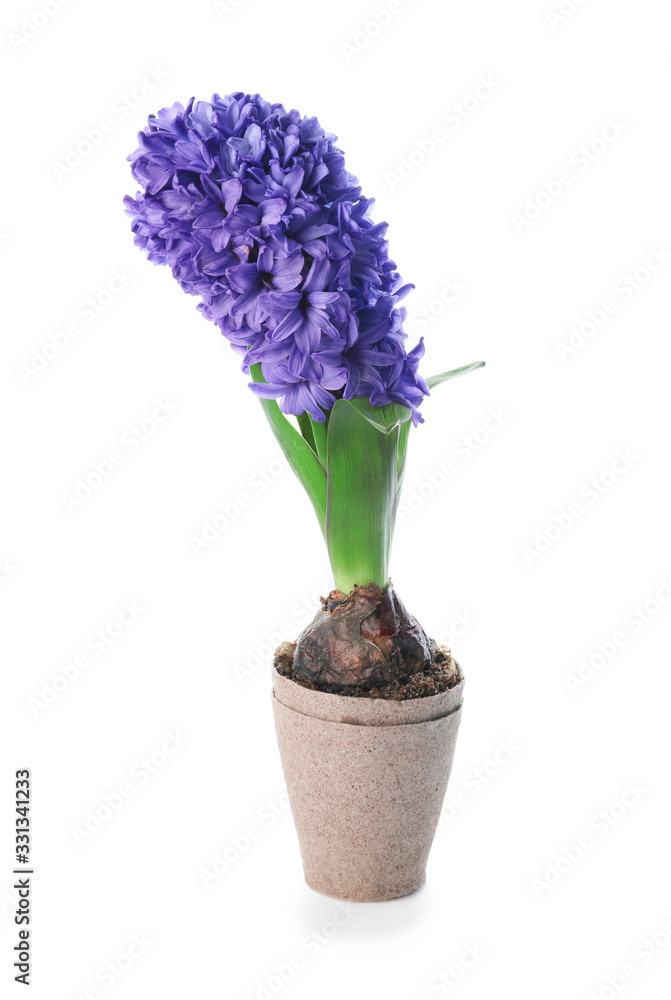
196, 658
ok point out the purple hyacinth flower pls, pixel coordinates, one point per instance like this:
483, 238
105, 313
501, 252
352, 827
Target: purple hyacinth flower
269, 273
302, 315
254, 211
302, 394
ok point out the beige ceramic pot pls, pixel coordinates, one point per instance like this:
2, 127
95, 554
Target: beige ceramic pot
366, 779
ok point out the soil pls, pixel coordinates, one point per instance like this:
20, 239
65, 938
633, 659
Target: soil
440, 675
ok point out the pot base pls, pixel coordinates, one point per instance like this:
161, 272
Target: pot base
384, 894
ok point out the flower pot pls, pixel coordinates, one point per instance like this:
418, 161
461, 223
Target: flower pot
366, 779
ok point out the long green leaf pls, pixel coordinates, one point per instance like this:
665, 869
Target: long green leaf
384, 418
437, 379
362, 495
305, 425
314, 432
403, 433
297, 452
319, 433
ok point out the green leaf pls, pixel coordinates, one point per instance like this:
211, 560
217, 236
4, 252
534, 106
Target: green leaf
297, 452
362, 491
314, 432
384, 418
319, 431
403, 432
437, 379
305, 424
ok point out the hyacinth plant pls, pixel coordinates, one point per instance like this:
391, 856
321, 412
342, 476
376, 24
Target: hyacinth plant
254, 211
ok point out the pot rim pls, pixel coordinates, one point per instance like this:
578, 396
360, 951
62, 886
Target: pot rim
364, 711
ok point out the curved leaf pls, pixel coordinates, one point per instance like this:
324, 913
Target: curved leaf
383, 418
437, 379
305, 426
297, 452
403, 433
319, 432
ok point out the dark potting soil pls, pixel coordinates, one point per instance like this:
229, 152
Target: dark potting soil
440, 675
